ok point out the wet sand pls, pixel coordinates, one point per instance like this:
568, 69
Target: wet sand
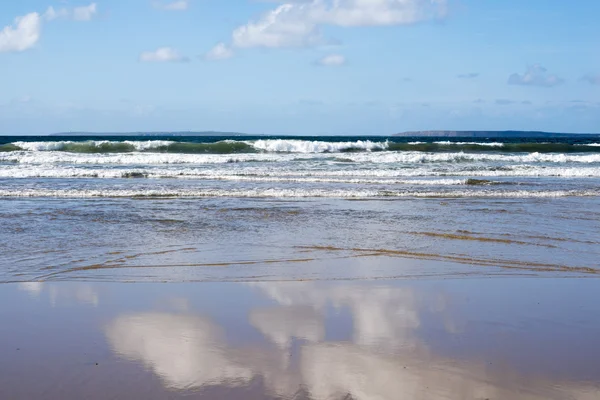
464, 338
321, 299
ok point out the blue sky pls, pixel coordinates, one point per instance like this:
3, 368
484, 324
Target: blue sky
303, 67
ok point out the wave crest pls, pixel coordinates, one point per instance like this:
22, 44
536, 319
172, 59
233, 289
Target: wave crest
304, 146
290, 193
294, 146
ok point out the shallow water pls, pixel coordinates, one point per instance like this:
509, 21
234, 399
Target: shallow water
266, 239
510, 338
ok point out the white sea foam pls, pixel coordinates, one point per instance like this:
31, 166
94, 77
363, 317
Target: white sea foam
223, 175
507, 171
289, 193
304, 146
290, 172
413, 157
488, 144
385, 157
52, 157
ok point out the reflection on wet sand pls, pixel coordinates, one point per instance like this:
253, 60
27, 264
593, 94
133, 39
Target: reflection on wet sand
386, 357
282, 325
186, 351
82, 293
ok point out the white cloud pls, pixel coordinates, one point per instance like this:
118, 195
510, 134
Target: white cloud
180, 5
21, 36
536, 75
378, 12
163, 54
219, 52
286, 26
297, 24
51, 14
84, 13
332, 60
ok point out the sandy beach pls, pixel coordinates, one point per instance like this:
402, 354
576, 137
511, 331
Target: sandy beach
500, 338
305, 299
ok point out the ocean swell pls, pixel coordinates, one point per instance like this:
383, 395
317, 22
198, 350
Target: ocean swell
291, 146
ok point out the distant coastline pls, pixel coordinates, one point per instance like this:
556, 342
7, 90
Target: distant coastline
432, 133
161, 134
494, 134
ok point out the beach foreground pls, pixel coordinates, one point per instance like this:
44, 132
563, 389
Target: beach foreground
501, 338
295, 269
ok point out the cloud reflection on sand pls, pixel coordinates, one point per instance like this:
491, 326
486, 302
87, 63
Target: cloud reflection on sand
281, 325
186, 351
82, 293
386, 358
381, 315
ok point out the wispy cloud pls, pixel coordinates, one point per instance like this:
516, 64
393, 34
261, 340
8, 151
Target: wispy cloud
470, 75
83, 13
332, 60
180, 5
51, 13
592, 79
219, 52
163, 54
535, 75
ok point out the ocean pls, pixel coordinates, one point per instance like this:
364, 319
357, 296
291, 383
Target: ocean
278, 208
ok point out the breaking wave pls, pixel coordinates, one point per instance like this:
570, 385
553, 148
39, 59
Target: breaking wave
451, 176
386, 157
291, 146
290, 193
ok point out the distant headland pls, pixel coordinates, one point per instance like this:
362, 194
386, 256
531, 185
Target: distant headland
495, 134
162, 134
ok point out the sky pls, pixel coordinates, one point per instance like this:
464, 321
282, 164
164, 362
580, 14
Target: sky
305, 67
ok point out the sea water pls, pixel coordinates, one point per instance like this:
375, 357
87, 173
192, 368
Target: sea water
259, 208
